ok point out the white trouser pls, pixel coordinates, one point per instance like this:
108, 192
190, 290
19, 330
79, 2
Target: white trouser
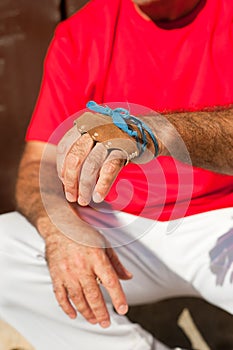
190, 257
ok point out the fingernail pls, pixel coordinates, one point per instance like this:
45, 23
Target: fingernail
70, 197
122, 309
105, 324
130, 275
73, 316
82, 201
97, 198
93, 320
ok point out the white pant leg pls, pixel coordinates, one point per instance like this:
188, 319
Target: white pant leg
199, 248
28, 303
192, 259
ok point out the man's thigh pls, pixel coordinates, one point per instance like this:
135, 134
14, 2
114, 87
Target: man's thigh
186, 257
28, 303
199, 249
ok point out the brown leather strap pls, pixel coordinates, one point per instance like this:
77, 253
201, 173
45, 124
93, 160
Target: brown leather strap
101, 129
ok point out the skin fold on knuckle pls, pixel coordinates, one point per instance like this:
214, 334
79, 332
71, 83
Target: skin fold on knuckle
75, 158
72, 294
70, 170
82, 146
72, 161
104, 184
102, 315
64, 267
90, 167
58, 291
70, 188
92, 294
84, 310
81, 306
110, 281
112, 166
70, 178
85, 188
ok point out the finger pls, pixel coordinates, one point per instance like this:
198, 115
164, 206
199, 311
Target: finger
64, 146
75, 294
108, 174
121, 271
111, 282
90, 172
95, 300
63, 301
73, 162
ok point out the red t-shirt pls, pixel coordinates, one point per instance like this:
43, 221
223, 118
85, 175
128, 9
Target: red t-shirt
109, 52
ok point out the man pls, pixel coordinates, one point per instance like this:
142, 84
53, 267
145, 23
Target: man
170, 56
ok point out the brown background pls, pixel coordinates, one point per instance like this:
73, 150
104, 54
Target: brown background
26, 28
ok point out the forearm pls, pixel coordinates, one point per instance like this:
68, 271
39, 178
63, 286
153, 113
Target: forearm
39, 192
40, 198
28, 191
208, 136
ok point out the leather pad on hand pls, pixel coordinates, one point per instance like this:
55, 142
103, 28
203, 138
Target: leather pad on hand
101, 129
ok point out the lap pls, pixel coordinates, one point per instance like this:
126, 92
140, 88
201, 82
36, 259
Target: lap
27, 301
152, 281
199, 248
187, 257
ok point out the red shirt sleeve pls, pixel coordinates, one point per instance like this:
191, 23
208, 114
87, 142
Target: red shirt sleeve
56, 99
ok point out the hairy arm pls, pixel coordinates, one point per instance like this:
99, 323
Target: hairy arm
28, 195
203, 139
208, 136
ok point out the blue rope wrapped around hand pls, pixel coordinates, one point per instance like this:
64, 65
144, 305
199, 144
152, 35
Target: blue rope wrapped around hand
120, 116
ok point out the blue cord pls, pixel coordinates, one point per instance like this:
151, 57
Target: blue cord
119, 117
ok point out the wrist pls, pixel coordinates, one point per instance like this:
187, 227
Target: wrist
46, 228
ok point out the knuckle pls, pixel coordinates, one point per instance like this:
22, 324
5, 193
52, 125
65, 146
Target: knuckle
70, 188
102, 316
73, 296
84, 310
64, 267
92, 294
78, 150
77, 298
84, 186
58, 291
91, 166
110, 282
104, 183
72, 160
63, 303
79, 302
116, 161
112, 166
69, 178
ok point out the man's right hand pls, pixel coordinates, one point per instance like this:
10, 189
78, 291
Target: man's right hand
74, 268
92, 153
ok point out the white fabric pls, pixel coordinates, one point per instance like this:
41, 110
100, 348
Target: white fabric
180, 258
